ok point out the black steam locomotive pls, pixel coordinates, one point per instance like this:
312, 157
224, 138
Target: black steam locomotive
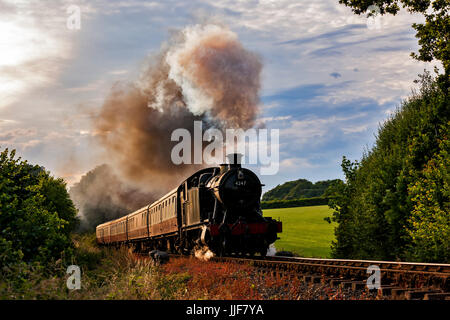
217, 207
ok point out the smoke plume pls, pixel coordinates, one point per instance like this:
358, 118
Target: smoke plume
202, 73
101, 196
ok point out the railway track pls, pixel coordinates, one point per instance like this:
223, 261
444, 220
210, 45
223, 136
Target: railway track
398, 280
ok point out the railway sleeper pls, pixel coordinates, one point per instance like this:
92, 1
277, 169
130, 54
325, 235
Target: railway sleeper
386, 291
359, 285
346, 284
406, 293
419, 294
437, 296
311, 278
335, 282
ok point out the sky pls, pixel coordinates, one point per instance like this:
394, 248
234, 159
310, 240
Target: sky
329, 78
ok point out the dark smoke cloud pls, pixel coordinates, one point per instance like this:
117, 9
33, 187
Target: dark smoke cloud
202, 73
101, 196
137, 138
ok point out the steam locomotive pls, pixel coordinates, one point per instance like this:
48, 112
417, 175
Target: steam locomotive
216, 207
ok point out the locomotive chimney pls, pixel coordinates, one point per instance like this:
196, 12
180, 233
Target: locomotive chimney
235, 160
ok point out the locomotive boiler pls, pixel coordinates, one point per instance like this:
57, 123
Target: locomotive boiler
216, 207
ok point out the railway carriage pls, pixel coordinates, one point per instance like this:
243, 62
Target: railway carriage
217, 207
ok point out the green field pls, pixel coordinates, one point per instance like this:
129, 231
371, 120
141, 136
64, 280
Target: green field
304, 230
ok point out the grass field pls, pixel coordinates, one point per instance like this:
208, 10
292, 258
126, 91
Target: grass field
304, 230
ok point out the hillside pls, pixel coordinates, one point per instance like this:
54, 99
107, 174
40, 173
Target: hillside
305, 232
298, 189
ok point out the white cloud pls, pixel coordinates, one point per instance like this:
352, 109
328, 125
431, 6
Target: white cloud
34, 43
273, 119
303, 42
302, 131
300, 43
118, 72
296, 163
355, 129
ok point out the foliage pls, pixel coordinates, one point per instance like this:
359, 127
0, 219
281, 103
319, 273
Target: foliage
36, 214
298, 189
315, 201
394, 203
430, 217
433, 34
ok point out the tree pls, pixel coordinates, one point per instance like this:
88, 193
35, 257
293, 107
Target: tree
36, 213
394, 203
433, 35
430, 218
298, 189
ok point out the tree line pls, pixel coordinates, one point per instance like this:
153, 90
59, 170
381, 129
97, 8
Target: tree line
37, 215
298, 189
394, 203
